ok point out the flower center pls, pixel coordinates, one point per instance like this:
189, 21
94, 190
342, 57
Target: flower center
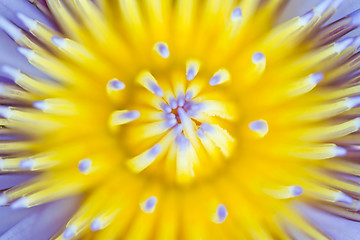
184, 122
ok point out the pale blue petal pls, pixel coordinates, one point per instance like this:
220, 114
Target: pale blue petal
10, 180
9, 217
43, 221
298, 7
9, 8
10, 56
337, 228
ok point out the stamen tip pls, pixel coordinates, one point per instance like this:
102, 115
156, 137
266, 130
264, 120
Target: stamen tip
339, 151
116, 85
3, 200
221, 214
162, 49
19, 203
69, 232
28, 53
84, 165
260, 127
316, 77
41, 105
5, 112
59, 41
96, 225
296, 190
27, 164
342, 197
27, 21
306, 18
148, 206
355, 18
258, 57
236, 14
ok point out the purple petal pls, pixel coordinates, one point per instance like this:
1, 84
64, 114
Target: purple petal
334, 226
9, 8
42, 222
10, 180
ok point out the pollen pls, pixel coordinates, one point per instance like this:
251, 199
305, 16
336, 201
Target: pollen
183, 119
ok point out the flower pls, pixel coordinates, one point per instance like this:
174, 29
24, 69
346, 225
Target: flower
182, 119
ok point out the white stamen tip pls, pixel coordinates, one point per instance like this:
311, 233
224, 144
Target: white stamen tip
5, 112
352, 102
19, 203
339, 47
339, 151
28, 22
58, 41
3, 200
162, 49
27, 164
221, 214
342, 197
306, 18
28, 53
149, 204
13, 31
96, 225
322, 7
355, 18
236, 14
85, 165
41, 105
69, 232
260, 127
11, 72
316, 78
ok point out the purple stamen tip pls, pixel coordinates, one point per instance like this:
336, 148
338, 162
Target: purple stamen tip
132, 114
116, 84
182, 141
166, 108
181, 101
317, 77
155, 150
188, 96
257, 57
200, 133
156, 89
84, 165
191, 74
207, 127
169, 116
163, 50
221, 213
150, 202
173, 103
297, 190
170, 123
96, 225
215, 80
236, 14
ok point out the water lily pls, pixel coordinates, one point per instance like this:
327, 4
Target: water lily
181, 119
